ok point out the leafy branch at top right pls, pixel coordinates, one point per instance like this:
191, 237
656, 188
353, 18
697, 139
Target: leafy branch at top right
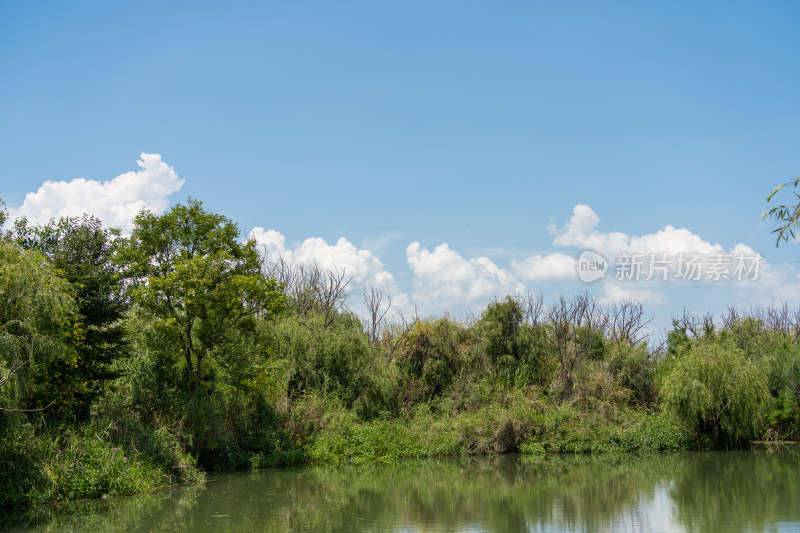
787, 217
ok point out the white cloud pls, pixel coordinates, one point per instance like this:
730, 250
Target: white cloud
581, 232
774, 283
444, 279
115, 202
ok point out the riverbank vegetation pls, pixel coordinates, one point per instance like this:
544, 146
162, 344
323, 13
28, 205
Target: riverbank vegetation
130, 363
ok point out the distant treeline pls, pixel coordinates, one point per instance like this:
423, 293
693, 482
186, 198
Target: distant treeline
129, 363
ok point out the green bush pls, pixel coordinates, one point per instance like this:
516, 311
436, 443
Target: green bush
338, 360
229, 431
519, 352
784, 385
565, 429
634, 369
430, 358
88, 462
720, 392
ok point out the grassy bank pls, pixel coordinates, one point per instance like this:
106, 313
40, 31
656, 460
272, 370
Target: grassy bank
73, 463
496, 430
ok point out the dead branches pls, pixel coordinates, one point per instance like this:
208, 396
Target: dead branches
627, 322
310, 288
377, 304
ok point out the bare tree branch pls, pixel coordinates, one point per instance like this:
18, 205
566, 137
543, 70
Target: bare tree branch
376, 311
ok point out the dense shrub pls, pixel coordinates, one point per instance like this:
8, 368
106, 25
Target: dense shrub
784, 385
338, 360
634, 369
89, 462
432, 355
719, 391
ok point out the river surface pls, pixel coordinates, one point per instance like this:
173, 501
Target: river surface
718, 492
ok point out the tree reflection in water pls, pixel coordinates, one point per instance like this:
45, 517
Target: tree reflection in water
704, 492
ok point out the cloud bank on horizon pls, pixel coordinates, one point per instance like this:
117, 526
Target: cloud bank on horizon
442, 279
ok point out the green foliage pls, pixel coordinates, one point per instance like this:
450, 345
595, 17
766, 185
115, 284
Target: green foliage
37, 323
678, 341
719, 391
20, 466
565, 429
228, 422
784, 385
520, 352
786, 217
3, 214
430, 358
83, 466
337, 360
348, 440
88, 462
501, 326
188, 268
230, 431
81, 251
489, 430
208, 367
597, 390
634, 369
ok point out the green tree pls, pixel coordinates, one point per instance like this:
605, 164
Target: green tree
719, 391
37, 313
501, 324
190, 270
82, 251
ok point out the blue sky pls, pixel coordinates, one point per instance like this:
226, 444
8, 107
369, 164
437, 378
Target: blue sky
475, 124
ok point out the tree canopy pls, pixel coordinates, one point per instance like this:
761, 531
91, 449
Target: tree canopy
82, 252
190, 270
37, 321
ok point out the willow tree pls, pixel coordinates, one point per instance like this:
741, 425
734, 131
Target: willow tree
786, 216
190, 270
718, 390
37, 314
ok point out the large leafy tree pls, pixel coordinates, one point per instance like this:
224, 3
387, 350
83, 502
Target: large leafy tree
82, 252
189, 268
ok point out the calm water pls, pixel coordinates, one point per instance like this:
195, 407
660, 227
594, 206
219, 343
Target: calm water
714, 492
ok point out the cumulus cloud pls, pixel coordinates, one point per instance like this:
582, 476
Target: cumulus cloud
776, 283
744, 278
581, 232
115, 202
443, 278
364, 267
665, 253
